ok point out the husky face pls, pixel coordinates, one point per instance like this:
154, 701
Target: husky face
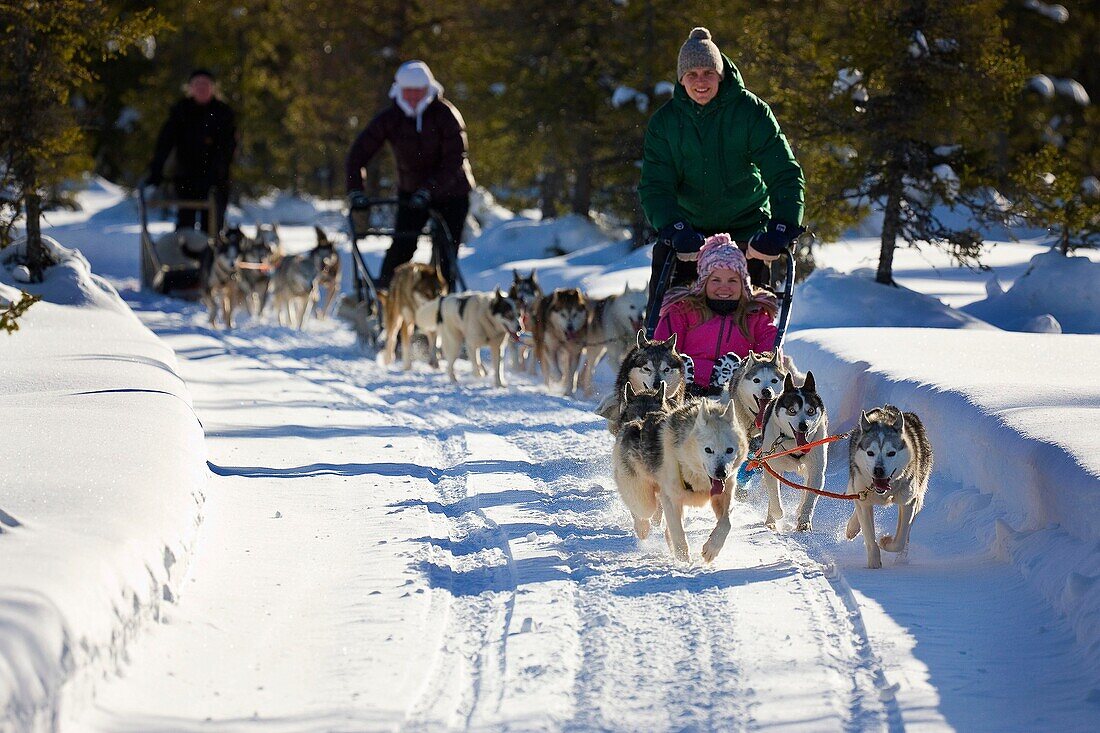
506, 312
799, 410
653, 362
524, 290
757, 382
882, 452
627, 311
717, 440
230, 244
568, 312
636, 405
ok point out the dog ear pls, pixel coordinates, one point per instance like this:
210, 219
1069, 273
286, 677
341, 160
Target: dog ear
729, 413
898, 421
671, 342
788, 383
515, 275
497, 294
809, 384
641, 338
532, 277
626, 288
864, 422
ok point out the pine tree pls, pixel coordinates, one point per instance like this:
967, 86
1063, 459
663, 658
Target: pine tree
926, 87
46, 55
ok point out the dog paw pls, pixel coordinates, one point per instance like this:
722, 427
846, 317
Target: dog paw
641, 528
888, 543
874, 563
711, 550
770, 523
852, 530
741, 494
804, 525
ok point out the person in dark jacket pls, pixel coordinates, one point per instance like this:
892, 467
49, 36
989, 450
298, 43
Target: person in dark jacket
428, 139
715, 161
202, 132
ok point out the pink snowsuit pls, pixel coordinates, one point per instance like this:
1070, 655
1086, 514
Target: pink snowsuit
706, 341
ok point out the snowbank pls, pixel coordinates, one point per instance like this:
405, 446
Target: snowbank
280, 208
520, 240
1053, 285
1020, 444
103, 469
829, 299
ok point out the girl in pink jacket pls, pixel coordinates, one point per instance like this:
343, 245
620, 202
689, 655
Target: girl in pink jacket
719, 313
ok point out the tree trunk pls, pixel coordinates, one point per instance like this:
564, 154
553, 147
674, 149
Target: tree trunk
582, 190
549, 192
891, 225
38, 259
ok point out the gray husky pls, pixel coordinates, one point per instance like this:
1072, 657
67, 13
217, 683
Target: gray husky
794, 418
665, 458
645, 366
264, 253
219, 277
295, 282
889, 462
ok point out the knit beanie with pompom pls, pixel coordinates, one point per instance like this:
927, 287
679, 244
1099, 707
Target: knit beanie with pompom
699, 52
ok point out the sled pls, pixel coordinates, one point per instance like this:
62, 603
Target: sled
170, 263
375, 219
784, 295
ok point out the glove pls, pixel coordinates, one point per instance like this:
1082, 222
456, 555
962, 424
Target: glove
420, 199
358, 199
682, 238
775, 239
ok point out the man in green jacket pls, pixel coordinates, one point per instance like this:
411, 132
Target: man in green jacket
716, 161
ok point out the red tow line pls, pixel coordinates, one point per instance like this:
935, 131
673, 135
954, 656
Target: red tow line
762, 462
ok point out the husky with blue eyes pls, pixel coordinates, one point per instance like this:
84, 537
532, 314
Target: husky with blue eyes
889, 462
793, 419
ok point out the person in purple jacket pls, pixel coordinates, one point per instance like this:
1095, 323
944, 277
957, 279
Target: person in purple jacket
428, 138
719, 313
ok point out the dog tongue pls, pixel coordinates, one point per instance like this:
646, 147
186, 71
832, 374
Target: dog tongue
716, 487
761, 405
881, 484
800, 437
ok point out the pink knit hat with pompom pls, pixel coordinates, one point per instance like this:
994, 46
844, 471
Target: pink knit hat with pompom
718, 252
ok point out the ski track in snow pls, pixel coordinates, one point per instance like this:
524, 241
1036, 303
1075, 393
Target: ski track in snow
545, 612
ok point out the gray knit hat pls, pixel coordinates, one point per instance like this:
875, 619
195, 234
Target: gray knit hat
697, 52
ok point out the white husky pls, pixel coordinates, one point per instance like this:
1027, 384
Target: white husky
612, 323
889, 462
666, 458
473, 319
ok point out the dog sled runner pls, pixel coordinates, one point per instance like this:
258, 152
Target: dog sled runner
376, 219
170, 263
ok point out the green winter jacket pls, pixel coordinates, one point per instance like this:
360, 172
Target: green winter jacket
722, 167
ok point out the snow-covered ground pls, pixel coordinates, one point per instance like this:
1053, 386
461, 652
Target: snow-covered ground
382, 550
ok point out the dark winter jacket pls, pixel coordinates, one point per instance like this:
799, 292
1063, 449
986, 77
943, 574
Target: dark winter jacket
204, 138
435, 158
721, 167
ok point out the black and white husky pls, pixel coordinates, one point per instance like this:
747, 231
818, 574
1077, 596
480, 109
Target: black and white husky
475, 320
794, 418
524, 291
644, 367
889, 462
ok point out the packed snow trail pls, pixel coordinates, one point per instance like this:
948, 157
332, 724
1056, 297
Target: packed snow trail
384, 550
